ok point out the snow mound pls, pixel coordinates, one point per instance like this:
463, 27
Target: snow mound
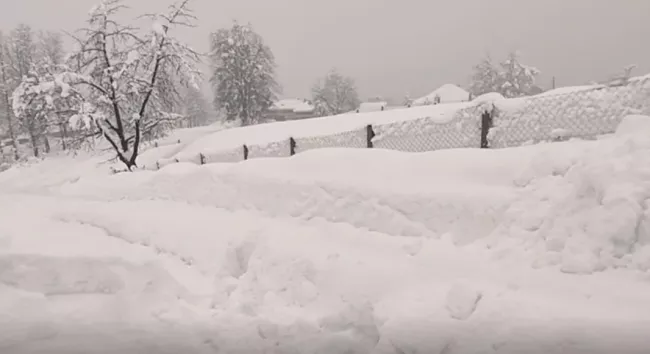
588, 211
337, 250
567, 90
488, 97
634, 124
581, 206
462, 301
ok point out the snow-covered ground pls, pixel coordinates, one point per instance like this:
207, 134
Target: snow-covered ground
537, 249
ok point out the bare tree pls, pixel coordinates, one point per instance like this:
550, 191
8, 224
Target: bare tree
510, 77
5, 104
195, 110
50, 48
335, 94
243, 73
121, 74
21, 56
486, 77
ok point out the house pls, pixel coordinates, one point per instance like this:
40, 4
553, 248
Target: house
372, 107
290, 109
448, 93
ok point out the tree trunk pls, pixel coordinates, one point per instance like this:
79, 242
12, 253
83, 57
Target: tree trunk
46, 141
63, 130
34, 141
10, 126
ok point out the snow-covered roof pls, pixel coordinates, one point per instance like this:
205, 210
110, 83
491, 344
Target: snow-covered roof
447, 93
293, 104
372, 106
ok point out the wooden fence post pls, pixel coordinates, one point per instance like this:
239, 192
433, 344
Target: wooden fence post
202, 159
292, 146
245, 152
370, 134
486, 124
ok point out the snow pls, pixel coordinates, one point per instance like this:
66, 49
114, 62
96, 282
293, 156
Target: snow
447, 93
567, 90
462, 301
633, 124
536, 249
488, 98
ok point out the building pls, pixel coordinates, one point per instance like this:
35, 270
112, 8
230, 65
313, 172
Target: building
448, 93
290, 109
372, 107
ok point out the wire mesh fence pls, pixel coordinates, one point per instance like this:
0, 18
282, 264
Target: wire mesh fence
580, 113
428, 134
274, 149
223, 156
349, 139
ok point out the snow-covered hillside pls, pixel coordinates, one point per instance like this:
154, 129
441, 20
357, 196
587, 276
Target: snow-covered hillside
537, 249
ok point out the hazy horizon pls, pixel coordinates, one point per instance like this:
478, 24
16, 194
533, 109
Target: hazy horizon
393, 48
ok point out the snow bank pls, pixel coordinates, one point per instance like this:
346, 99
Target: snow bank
633, 125
43, 175
578, 206
567, 89
587, 211
250, 283
380, 190
488, 97
73, 288
61, 168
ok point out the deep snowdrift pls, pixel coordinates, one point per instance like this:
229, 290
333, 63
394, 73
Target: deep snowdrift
581, 206
307, 254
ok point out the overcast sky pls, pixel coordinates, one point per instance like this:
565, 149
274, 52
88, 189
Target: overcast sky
392, 47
